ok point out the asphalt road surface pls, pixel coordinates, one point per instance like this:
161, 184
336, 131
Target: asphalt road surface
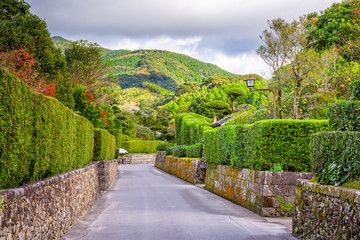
147, 203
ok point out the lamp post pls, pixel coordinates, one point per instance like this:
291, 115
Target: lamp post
250, 84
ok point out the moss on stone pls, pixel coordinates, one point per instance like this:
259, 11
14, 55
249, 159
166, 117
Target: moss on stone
352, 184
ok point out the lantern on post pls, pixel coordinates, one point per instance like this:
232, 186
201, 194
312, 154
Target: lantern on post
250, 84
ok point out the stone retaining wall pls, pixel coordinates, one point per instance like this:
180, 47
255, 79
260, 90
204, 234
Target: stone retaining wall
46, 209
108, 172
186, 169
326, 212
138, 158
267, 193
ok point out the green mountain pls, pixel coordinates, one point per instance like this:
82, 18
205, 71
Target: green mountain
164, 68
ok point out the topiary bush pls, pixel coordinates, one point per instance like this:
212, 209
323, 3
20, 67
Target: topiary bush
104, 145
336, 156
189, 128
345, 116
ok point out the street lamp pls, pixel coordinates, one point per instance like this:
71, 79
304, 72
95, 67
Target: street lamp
250, 84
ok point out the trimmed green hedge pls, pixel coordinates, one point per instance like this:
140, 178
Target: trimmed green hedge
340, 148
194, 151
141, 146
39, 136
191, 151
189, 128
104, 145
261, 145
345, 116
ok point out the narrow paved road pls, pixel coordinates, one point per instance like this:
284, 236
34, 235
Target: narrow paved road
147, 203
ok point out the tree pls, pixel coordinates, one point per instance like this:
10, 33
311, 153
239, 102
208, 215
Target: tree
199, 106
221, 108
233, 94
30, 33
10, 8
334, 27
84, 62
275, 51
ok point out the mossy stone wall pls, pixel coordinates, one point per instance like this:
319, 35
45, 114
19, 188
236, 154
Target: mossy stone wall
326, 212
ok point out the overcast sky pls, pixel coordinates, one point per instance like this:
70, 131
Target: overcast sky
222, 32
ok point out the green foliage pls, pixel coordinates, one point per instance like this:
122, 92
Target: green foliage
199, 106
141, 146
218, 104
84, 62
345, 116
285, 205
87, 109
157, 89
194, 151
169, 150
162, 146
179, 151
335, 25
355, 90
263, 144
10, 8
191, 151
163, 68
335, 156
39, 136
104, 145
189, 128
29, 32
277, 168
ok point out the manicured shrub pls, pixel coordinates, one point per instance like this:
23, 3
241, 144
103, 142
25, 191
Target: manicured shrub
194, 151
104, 145
189, 128
345, 116
336, 156
141, 146
281, 141
263, 144
162, 145
179, 151
169, 150
211, 147
39, 136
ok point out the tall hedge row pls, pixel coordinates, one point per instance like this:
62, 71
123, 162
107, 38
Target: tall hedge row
104, 145
263, 144
341, 148
189, 128
39, 136
345, 116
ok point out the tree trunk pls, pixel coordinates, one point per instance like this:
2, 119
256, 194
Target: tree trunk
296, 100
280, 104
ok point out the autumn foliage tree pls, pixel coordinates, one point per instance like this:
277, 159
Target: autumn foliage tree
21, 63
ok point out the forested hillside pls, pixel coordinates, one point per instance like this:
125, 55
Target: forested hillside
164, 68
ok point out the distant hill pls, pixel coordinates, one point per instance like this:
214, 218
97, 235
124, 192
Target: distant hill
60, 42
164, 68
